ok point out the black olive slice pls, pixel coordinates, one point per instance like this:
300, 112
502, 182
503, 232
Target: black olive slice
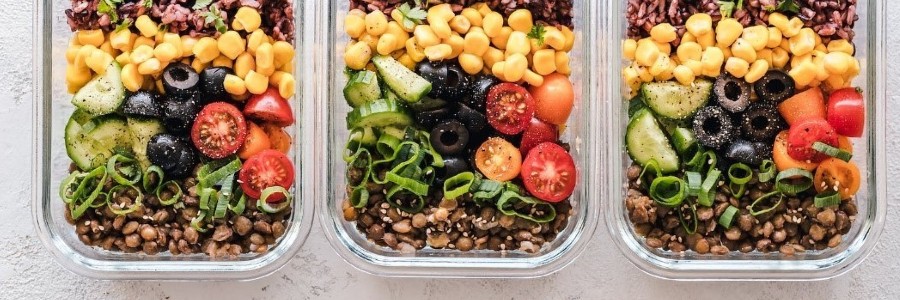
761, 123
713, 127
143, 104
732, 93
775, 86
450, 137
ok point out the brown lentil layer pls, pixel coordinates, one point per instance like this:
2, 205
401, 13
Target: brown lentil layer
277, 16
795, 226
154, 228
549, 12
450, 224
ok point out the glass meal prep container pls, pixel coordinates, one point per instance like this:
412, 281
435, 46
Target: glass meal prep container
353, 246
52, 109
810, 265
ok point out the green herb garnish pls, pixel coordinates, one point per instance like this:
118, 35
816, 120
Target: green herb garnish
537, 32
412, 16
199, 4
108, 7
727, 8
785, 6
213, 17
148, 3
124, 25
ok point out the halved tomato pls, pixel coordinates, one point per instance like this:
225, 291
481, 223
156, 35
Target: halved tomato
219, 130
281, 141
783, 160
270, 107
266, 169
509, 108
498, 160
803, 135
537, 132
257, 141
554, 99
549, 173
837, 175
809, 104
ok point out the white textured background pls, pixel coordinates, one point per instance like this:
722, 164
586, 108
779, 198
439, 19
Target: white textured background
26, 272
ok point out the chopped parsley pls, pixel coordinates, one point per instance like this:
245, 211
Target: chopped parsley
537, 33
412, 16
213, 17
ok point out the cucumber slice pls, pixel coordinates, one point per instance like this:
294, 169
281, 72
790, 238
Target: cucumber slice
90, 142
363, 87
406, 84
646, 141
379, 113
673, 100
142, 129
103, 94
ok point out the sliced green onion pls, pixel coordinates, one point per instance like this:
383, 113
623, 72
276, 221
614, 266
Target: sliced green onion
221, 205
93, 181
153, 178
100, 201
69, 187
171, 186
208, 177
688, 222
739, 173
702, 162
409, 184
653, 167
413, 207
668, 191
487, 191
787, 181
119, 167
113, 195
694, 181
458, 185
707, 193
514, 204
829, 198
387, 145
727, 217
205, 194
238, 208
767, 170
359, 197
263, 205
196, 222
361, 160
755, 210
832, 151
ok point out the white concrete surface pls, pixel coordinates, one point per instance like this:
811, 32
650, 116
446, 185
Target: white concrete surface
26, 272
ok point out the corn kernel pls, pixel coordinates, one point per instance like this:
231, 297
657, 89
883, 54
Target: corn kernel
471, 63
743, 49
757, 70
533, 79
837, 62
199, 65
165, 52
765, 54
555, 38
386, 44
516, 64
256, 83
243, 64
460, 24
492, 56
520, 20
376, 23
131, 79
778, 20
803, 74
840, 46
141, 54
206, 49
663, 33
688, 37
689, 51
518, 43
357, 56
425, 37
151, 66
646, 53
727, 31
643, 74
284, 52
414, 51
231, 44
124, 58
798, 59
246, 19
684, 75
793, 27
492, 23
570, 38
757, 36
476, 43
712, 60
662, 64
630, 76
498, 70
287, 86
502, 39
706, 40
234, 85
695, 66
562, 63
472, 15
699, 24
821, 72
146, 26
804, 42
737, 67
355, 25
438, 52
628, 48
774, 37
780, 58
544, 61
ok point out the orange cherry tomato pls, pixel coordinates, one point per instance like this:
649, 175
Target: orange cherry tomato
845, 144
809, 104
783, 160
498, 160
281, 141
256, 142
834, 174
554, 99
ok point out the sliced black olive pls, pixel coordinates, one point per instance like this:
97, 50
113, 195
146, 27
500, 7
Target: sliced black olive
174, 155
428, 119
764, 149
436, 73
213, 83
775, 86
180, 80
475, 121
732, 93
456, 83
428, 103
479, 88
452, 165
744, 152
713, 127
143, 104
450, 137
178, 114
761, 123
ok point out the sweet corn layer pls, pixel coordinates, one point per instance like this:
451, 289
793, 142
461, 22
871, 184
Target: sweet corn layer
478, 38
143, 55
742, 52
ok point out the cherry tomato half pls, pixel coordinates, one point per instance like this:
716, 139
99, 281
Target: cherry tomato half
266, 169
537, 132
219, 130
549, 173
498, 160
554, 99
809, 104
281, 141
837, 175
509, 108
257, 141
783, 160
270, 107
847, 112
803, 135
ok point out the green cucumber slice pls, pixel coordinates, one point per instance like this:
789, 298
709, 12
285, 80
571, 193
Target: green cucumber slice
673, 100
379, 113
361, 88
103, 94
90, 142
141, 130
646, 141
408, 85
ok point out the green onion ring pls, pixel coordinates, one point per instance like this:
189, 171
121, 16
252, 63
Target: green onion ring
100, 201
113, 195
702, 162
829, 198
510, 202
767, 170
362, 159
737, 178
754, 212
832, 151
783, 184
263, 205
668, 191
409, 184
359, 197
238, 208
415, 208
195, 222
221, 205
150, 185
78, 209
205, 194
694, 181
124, 162
68, 188
707, 194
233, 166
387, 145
177, 190
458, 185
689, 223
487, 191
727, 217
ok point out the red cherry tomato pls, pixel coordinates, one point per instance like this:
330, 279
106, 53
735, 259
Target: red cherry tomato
266, 169
554, 99
270, 107
549, 173
537, 132
509, 108
803, 135
219, 130
846, 112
